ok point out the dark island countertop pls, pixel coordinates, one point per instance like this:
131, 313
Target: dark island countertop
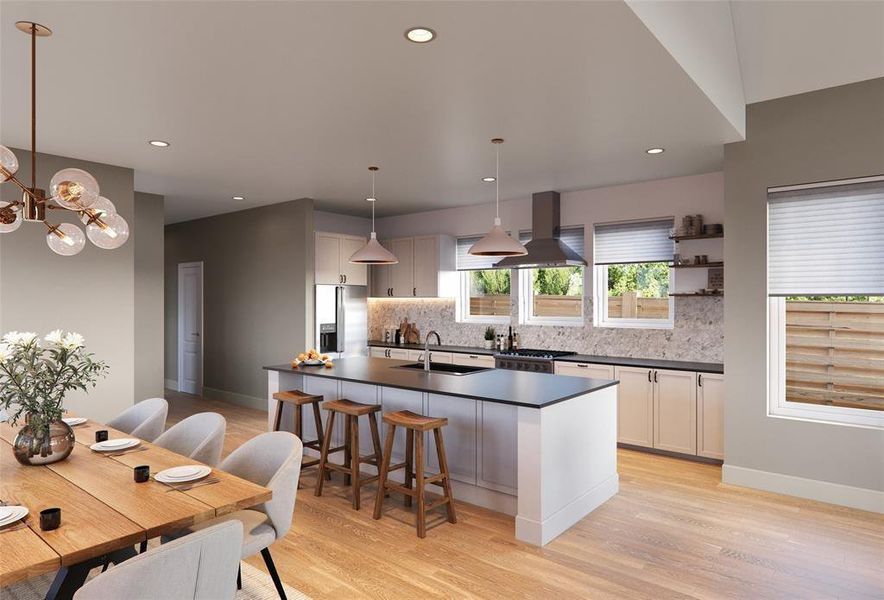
530, 390
620, 361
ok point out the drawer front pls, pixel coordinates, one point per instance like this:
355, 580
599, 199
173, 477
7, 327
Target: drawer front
585, 370
439, 357
475, 360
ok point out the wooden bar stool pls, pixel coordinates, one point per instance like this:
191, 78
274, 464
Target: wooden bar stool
298, 400
414, 466
352, 458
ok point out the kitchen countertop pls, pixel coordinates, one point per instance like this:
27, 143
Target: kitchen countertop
620, 361
530, 390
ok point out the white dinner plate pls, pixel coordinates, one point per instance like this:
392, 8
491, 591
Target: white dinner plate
71, 421
312, 363
183, 474
12, 514
113, 445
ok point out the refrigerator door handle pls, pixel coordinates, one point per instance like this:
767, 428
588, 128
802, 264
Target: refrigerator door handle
341, 326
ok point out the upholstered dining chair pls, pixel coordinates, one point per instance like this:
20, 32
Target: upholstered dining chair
199, 436
199, 566
272, 460
145, 420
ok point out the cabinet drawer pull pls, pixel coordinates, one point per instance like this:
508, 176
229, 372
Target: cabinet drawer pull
700, 379
649, 376
583, 366
414, 291
473, 356
345, 279
655, 376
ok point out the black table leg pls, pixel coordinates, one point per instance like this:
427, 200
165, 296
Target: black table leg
71, 578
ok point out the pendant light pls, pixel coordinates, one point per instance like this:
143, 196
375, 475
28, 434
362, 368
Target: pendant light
372, 253
71, 189
497, 242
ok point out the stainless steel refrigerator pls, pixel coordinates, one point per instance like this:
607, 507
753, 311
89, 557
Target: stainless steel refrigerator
342, 320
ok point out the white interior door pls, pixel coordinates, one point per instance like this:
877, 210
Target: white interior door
190, 328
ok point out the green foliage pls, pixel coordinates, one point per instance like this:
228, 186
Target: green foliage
489, 333
35, 378
490, 282
649, 280
562, 281
836, 299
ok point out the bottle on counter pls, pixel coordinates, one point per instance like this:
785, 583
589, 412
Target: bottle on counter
509, 339
398, 337
515, 341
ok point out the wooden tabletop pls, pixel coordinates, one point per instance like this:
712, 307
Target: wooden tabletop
102, 508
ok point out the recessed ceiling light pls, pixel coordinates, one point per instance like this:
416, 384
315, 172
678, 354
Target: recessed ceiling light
159, 143
489, 179
655, 150
420, 35
239, 198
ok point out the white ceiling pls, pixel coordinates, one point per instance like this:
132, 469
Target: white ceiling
790, 47
283, 100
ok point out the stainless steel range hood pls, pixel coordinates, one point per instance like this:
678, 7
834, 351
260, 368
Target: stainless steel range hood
545, 248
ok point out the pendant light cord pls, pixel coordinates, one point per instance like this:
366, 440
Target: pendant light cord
497, 180
374, 200
33, 106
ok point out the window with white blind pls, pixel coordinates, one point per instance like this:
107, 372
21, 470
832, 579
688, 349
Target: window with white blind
553, 295
825, 274
632, 275
484, 291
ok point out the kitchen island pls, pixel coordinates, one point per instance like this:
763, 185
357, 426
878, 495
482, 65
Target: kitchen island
537, 446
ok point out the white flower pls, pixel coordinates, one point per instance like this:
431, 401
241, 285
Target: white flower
72, 341
5, 352
55, 337
22, 338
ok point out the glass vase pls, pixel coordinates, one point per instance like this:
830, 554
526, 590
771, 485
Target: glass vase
43, 445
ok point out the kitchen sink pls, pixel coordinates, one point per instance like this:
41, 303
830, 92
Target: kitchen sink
446, 368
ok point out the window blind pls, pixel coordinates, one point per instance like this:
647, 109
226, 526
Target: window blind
633, 242
572, 237
468, 262
826, 241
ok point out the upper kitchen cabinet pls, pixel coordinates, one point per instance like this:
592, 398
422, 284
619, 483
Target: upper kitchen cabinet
425, 269
332, 259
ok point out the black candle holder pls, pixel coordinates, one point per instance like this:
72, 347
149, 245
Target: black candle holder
142, 473
50, 519
101, 435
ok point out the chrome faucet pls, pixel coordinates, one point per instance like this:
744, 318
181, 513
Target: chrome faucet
427, 348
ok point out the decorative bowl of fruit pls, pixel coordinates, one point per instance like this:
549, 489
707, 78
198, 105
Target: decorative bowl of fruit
311, 358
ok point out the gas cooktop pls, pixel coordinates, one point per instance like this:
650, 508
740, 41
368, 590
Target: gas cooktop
531, 353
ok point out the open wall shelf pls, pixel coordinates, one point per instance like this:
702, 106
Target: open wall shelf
703, 236
696, 294
710, 265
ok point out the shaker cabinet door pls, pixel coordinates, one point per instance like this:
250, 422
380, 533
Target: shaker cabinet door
675, 411
353, 274
459, 436
402, 273
635, 406
327, 259
710, 415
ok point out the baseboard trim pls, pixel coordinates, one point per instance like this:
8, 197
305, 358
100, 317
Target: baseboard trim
681, 455
812, 489
541, 533
235, 398
171, 384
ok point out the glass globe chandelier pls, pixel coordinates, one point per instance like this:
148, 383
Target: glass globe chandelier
372, 253
70, 189
497, 242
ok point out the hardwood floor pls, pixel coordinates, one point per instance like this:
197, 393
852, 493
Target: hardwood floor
673, 531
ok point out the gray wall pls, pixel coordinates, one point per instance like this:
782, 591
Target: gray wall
91, 293
258, 293
829, 134
146, 235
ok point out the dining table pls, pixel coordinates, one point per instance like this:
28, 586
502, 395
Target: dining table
104, 512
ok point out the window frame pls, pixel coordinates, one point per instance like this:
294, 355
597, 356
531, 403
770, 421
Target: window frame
600, 305
526, 303
462, 306
777, 404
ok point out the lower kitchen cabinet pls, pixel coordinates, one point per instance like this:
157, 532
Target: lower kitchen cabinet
635, 406
584, 370
475, 360
497, 446
439, 357
710, 415
393, 399
394, 353
675, 411
459, 436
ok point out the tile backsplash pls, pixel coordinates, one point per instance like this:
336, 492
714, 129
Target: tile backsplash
698, 334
